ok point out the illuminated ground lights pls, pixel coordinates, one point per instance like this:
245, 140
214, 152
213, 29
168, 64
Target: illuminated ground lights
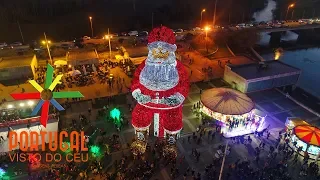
2, 173
115, 114
95, 150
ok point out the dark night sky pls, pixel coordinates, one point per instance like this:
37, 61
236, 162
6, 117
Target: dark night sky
69, 18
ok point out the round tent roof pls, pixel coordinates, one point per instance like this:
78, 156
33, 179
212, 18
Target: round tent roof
226, 101
308, 134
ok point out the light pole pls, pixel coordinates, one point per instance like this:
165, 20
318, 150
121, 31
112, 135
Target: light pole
20, 32
203, 10
46, 42
108, 37
90, 18
303, 14
223, 160
292, 14
206, 29
214, 13
290, 6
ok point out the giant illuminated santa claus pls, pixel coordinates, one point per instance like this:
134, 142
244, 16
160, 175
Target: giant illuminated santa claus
160, 86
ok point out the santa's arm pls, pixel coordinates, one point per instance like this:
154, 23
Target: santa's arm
136, 85
182, 89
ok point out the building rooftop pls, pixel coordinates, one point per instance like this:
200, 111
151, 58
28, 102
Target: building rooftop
82, 55
18, 61
272, 68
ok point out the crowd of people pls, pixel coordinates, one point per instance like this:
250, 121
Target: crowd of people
146, 166
40, 74
7, 115
84, 75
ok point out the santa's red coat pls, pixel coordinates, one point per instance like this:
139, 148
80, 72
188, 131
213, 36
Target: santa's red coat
170, 118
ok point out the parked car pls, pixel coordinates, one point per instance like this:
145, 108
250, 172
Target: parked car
178, 31
3, 45
196, 29
123, 34
277, 25
16, 44
86, 38
78, 42
262, 23
242, 25
143, 33
114, 34
133, 33
67, 46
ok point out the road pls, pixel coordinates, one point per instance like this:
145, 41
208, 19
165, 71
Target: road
311, 26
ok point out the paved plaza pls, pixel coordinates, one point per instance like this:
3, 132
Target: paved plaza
272, 102
276, 105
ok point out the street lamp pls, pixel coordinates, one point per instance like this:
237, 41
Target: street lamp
206, 29
214, 13
203, 10
90, 18
290, 6
108, 37
292, 14
46, 42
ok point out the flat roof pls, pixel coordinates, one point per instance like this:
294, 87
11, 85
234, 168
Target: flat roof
81, 55
19, 61
251, 71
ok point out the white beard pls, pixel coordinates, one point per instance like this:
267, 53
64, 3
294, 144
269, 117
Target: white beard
159, 77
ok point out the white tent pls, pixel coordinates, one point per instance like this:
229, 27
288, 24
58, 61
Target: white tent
94, 68
60, 62
84, 70
74, 73
119, 57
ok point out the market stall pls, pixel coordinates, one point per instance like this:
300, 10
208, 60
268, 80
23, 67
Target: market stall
60, 63
232, 110
258, 116
292, 122
307, 138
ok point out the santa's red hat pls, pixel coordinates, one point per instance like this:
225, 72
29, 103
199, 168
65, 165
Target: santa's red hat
162, 36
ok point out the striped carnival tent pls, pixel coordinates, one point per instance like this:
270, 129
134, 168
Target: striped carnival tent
308, 134
226, 101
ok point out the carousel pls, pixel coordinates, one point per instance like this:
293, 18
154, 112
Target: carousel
304, 137
233, 111
307, 137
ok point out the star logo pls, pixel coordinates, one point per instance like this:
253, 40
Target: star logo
46, 95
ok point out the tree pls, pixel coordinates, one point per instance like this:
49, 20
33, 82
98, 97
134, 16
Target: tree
243, 39
221, 37
202, 42
58, 52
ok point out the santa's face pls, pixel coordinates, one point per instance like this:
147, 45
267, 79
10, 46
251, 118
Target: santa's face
160, 72
161, 53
